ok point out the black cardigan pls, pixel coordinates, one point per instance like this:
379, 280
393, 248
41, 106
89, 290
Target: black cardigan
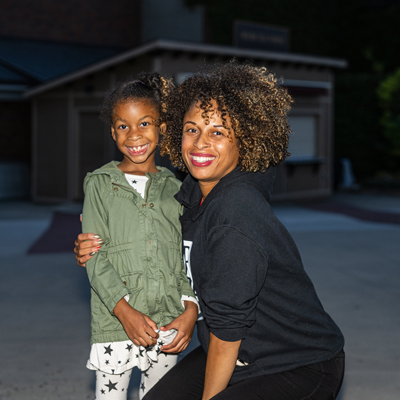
249, 278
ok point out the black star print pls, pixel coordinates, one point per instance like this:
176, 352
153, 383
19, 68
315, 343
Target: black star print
113, 371
142, 387
103, 391
127, 361
111, 386
160, 343
108, 349
141, 352
107, 362
119, 362
122, 389
129, 347
104, 376
158, 350
166, 366
137, 355
122, 374
146, 374
134, 182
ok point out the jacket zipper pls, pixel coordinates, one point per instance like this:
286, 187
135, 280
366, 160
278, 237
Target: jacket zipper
148, 188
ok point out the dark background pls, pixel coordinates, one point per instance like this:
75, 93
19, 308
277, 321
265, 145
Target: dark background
364, 32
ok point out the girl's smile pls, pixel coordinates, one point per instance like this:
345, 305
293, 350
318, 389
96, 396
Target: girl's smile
137, 150
136, 133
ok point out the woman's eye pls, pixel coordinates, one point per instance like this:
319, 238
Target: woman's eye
191, 130
217, 133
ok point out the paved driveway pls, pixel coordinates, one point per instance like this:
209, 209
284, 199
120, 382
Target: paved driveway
44, 297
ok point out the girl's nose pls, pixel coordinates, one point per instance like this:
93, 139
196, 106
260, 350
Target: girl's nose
201, 142
134, 134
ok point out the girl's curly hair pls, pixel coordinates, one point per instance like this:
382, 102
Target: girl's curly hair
256, 104
150, 87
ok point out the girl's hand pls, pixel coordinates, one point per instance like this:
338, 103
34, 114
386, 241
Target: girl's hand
184, 324
86, 245
139, 327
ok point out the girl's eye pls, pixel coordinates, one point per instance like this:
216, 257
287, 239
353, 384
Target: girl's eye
122, 127
145, 124
217, 133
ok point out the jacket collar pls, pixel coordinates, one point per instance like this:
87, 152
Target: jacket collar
190, 195
117, 176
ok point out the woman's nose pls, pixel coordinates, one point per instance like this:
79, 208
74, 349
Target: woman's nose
201, 142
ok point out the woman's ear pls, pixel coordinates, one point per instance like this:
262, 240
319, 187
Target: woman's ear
163, 127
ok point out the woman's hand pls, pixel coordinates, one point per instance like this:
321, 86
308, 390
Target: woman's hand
139, 327
184, 324
86, 245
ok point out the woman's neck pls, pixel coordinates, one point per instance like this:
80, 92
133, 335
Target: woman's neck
206, 187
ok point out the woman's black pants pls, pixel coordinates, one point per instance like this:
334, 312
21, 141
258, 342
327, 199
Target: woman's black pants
321, 381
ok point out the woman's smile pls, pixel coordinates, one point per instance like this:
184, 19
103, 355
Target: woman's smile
209, 150
202, 160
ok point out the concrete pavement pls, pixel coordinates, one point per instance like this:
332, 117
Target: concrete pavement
44, 299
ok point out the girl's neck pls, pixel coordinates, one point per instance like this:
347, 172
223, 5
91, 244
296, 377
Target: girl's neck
137, 169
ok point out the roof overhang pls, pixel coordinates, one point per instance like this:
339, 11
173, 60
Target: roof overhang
12, 91
190, 48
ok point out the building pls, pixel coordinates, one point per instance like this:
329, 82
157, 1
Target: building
69, 140
57, 59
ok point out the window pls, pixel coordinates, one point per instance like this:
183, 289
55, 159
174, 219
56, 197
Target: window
303, 139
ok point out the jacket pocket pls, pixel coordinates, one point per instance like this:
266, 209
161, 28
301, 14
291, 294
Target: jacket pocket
125, 259
135, 284
174, 257
173, 291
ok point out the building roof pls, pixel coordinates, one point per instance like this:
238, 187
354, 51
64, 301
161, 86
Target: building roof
189, 48
33, 62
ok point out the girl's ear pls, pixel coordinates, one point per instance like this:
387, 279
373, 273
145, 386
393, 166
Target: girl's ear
163, 127
113, 134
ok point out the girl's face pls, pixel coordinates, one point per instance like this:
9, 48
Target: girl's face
208, 152
136, 133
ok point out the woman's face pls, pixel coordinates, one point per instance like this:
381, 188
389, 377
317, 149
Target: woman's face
208, 152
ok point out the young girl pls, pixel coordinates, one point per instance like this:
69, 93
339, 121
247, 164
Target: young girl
142, 306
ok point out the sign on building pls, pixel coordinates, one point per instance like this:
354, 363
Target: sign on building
250, 35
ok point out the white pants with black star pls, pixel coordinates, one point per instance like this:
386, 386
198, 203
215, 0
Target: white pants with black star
115, 386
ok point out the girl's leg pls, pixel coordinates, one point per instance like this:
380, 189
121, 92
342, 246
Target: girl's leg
112, 387
183, 382
320, 381
156, 371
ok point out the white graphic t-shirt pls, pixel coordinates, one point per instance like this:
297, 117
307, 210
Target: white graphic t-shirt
138, 182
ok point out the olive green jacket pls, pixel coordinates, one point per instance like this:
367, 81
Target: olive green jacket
142, 254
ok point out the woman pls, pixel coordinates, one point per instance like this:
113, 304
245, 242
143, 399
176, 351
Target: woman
264, 335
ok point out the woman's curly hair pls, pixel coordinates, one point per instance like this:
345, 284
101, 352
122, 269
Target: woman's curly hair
151, 87
256, 104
